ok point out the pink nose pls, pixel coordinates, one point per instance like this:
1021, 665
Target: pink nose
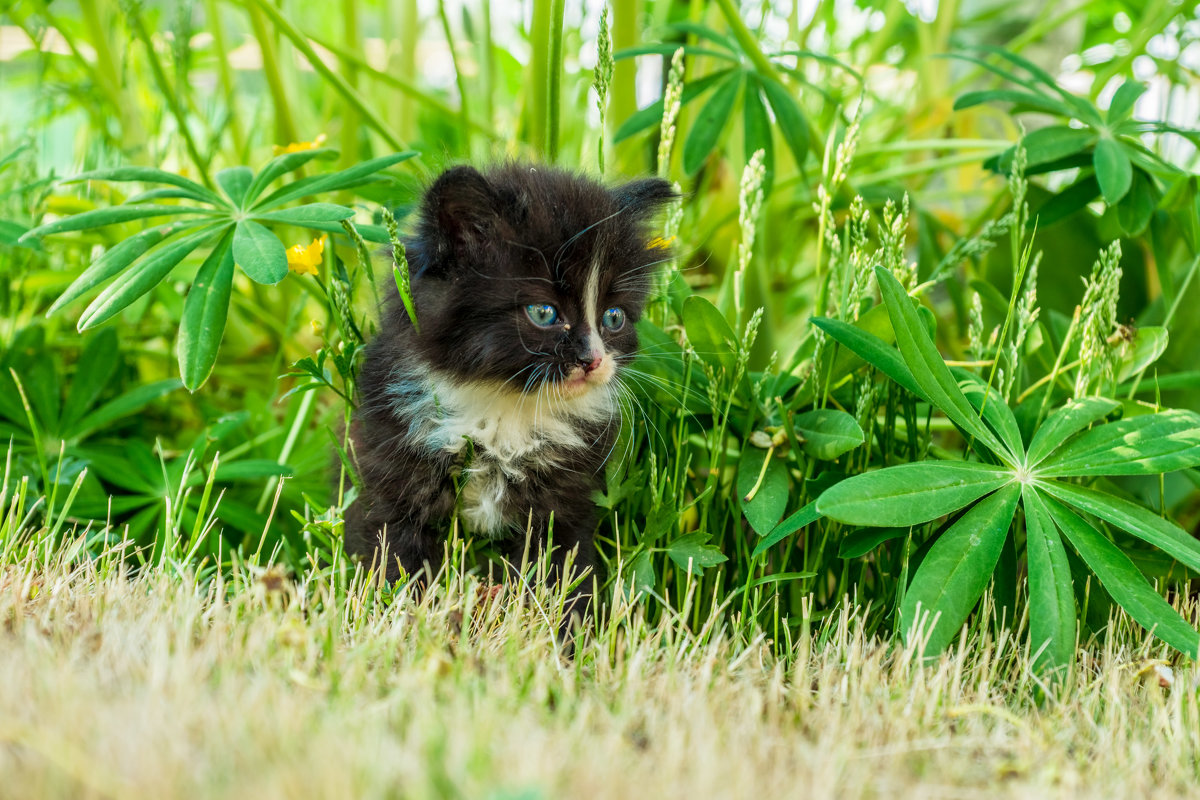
594, 364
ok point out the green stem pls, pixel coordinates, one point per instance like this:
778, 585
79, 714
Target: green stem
464, 118
554, 89
539, 79
285, 126
224, 74
169, 94
350, 130
300, 42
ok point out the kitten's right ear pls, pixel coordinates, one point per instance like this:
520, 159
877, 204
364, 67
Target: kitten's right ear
645, 196
458, 213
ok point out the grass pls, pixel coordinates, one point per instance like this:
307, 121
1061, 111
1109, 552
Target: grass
157, 684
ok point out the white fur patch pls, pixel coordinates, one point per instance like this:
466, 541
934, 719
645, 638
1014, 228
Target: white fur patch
508, 430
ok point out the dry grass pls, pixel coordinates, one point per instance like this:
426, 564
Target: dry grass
156, 687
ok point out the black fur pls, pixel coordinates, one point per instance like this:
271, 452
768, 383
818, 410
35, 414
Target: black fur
486, 246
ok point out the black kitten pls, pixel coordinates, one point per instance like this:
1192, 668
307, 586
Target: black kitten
527, 283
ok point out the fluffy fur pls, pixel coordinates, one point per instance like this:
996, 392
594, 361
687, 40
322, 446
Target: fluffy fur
485, 409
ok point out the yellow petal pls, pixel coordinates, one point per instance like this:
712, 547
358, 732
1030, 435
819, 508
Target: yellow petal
659, 243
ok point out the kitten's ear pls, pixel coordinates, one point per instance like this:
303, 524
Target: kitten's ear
645, 196
458, 212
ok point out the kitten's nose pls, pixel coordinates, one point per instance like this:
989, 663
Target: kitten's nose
593, 363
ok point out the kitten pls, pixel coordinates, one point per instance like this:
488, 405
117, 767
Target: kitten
527, 283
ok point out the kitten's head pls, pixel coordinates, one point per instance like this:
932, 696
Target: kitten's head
533, 277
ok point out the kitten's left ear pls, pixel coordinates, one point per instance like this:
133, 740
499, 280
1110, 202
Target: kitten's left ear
645, 196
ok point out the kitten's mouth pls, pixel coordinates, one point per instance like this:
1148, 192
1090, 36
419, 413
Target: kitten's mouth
578, 381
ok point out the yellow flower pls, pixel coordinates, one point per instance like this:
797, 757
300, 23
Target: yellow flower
304, 260
296, 147
659, 243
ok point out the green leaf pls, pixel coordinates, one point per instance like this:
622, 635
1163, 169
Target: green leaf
757, 130
117, 258
709, 334
144, 274
204, 312
246, 470
234, 181
1068, 201
1065, 423
329, 183
1051, 593
1123, 99
709, 123
95, 369
790, 119
652, 114
303, 216
372, 233
1121, 578
828, 433
259, 253
1132, 518
691, 553
995, 412
281, 164
1148, 345
800, 519
100, 217
1137, 207
639, 575
956, 570
928, 369
873, 350
1143, 445
860, 542
128, 403
766, 507
1113, 170
1054, 142
151, 175
1033, 100
909, 494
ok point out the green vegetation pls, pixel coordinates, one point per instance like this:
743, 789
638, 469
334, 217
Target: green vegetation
920, 383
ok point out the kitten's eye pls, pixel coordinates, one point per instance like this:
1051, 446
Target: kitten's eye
541, 314
614, 319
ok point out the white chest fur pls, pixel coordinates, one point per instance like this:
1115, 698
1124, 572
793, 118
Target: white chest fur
509, 433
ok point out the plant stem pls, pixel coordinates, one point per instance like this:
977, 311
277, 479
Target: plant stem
350, 130
285, 126
554, 89
464, 118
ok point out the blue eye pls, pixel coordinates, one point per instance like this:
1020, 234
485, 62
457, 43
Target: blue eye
614, 319
541, 314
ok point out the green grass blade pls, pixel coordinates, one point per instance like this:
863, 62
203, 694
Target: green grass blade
1125, 582
1065, 423
928, 369
142, 276
957, 569
909, 494
1131, 518
204, 312
1145, 445
1052, 619
259, 253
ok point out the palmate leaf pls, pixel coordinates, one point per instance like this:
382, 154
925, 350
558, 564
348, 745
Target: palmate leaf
1122, 579
283, 164
151, 175
871, 349
1065, 423
1032, 100
101, 217
117, 258
995, 412
144, 274
827, 432
332, 182
305, 215
1052, 620
793, 125
1132, 518
909, 494
259, 253
928, 369
652, 114
234, 181
710, 122
1113, 170
1143, 445
956, 570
